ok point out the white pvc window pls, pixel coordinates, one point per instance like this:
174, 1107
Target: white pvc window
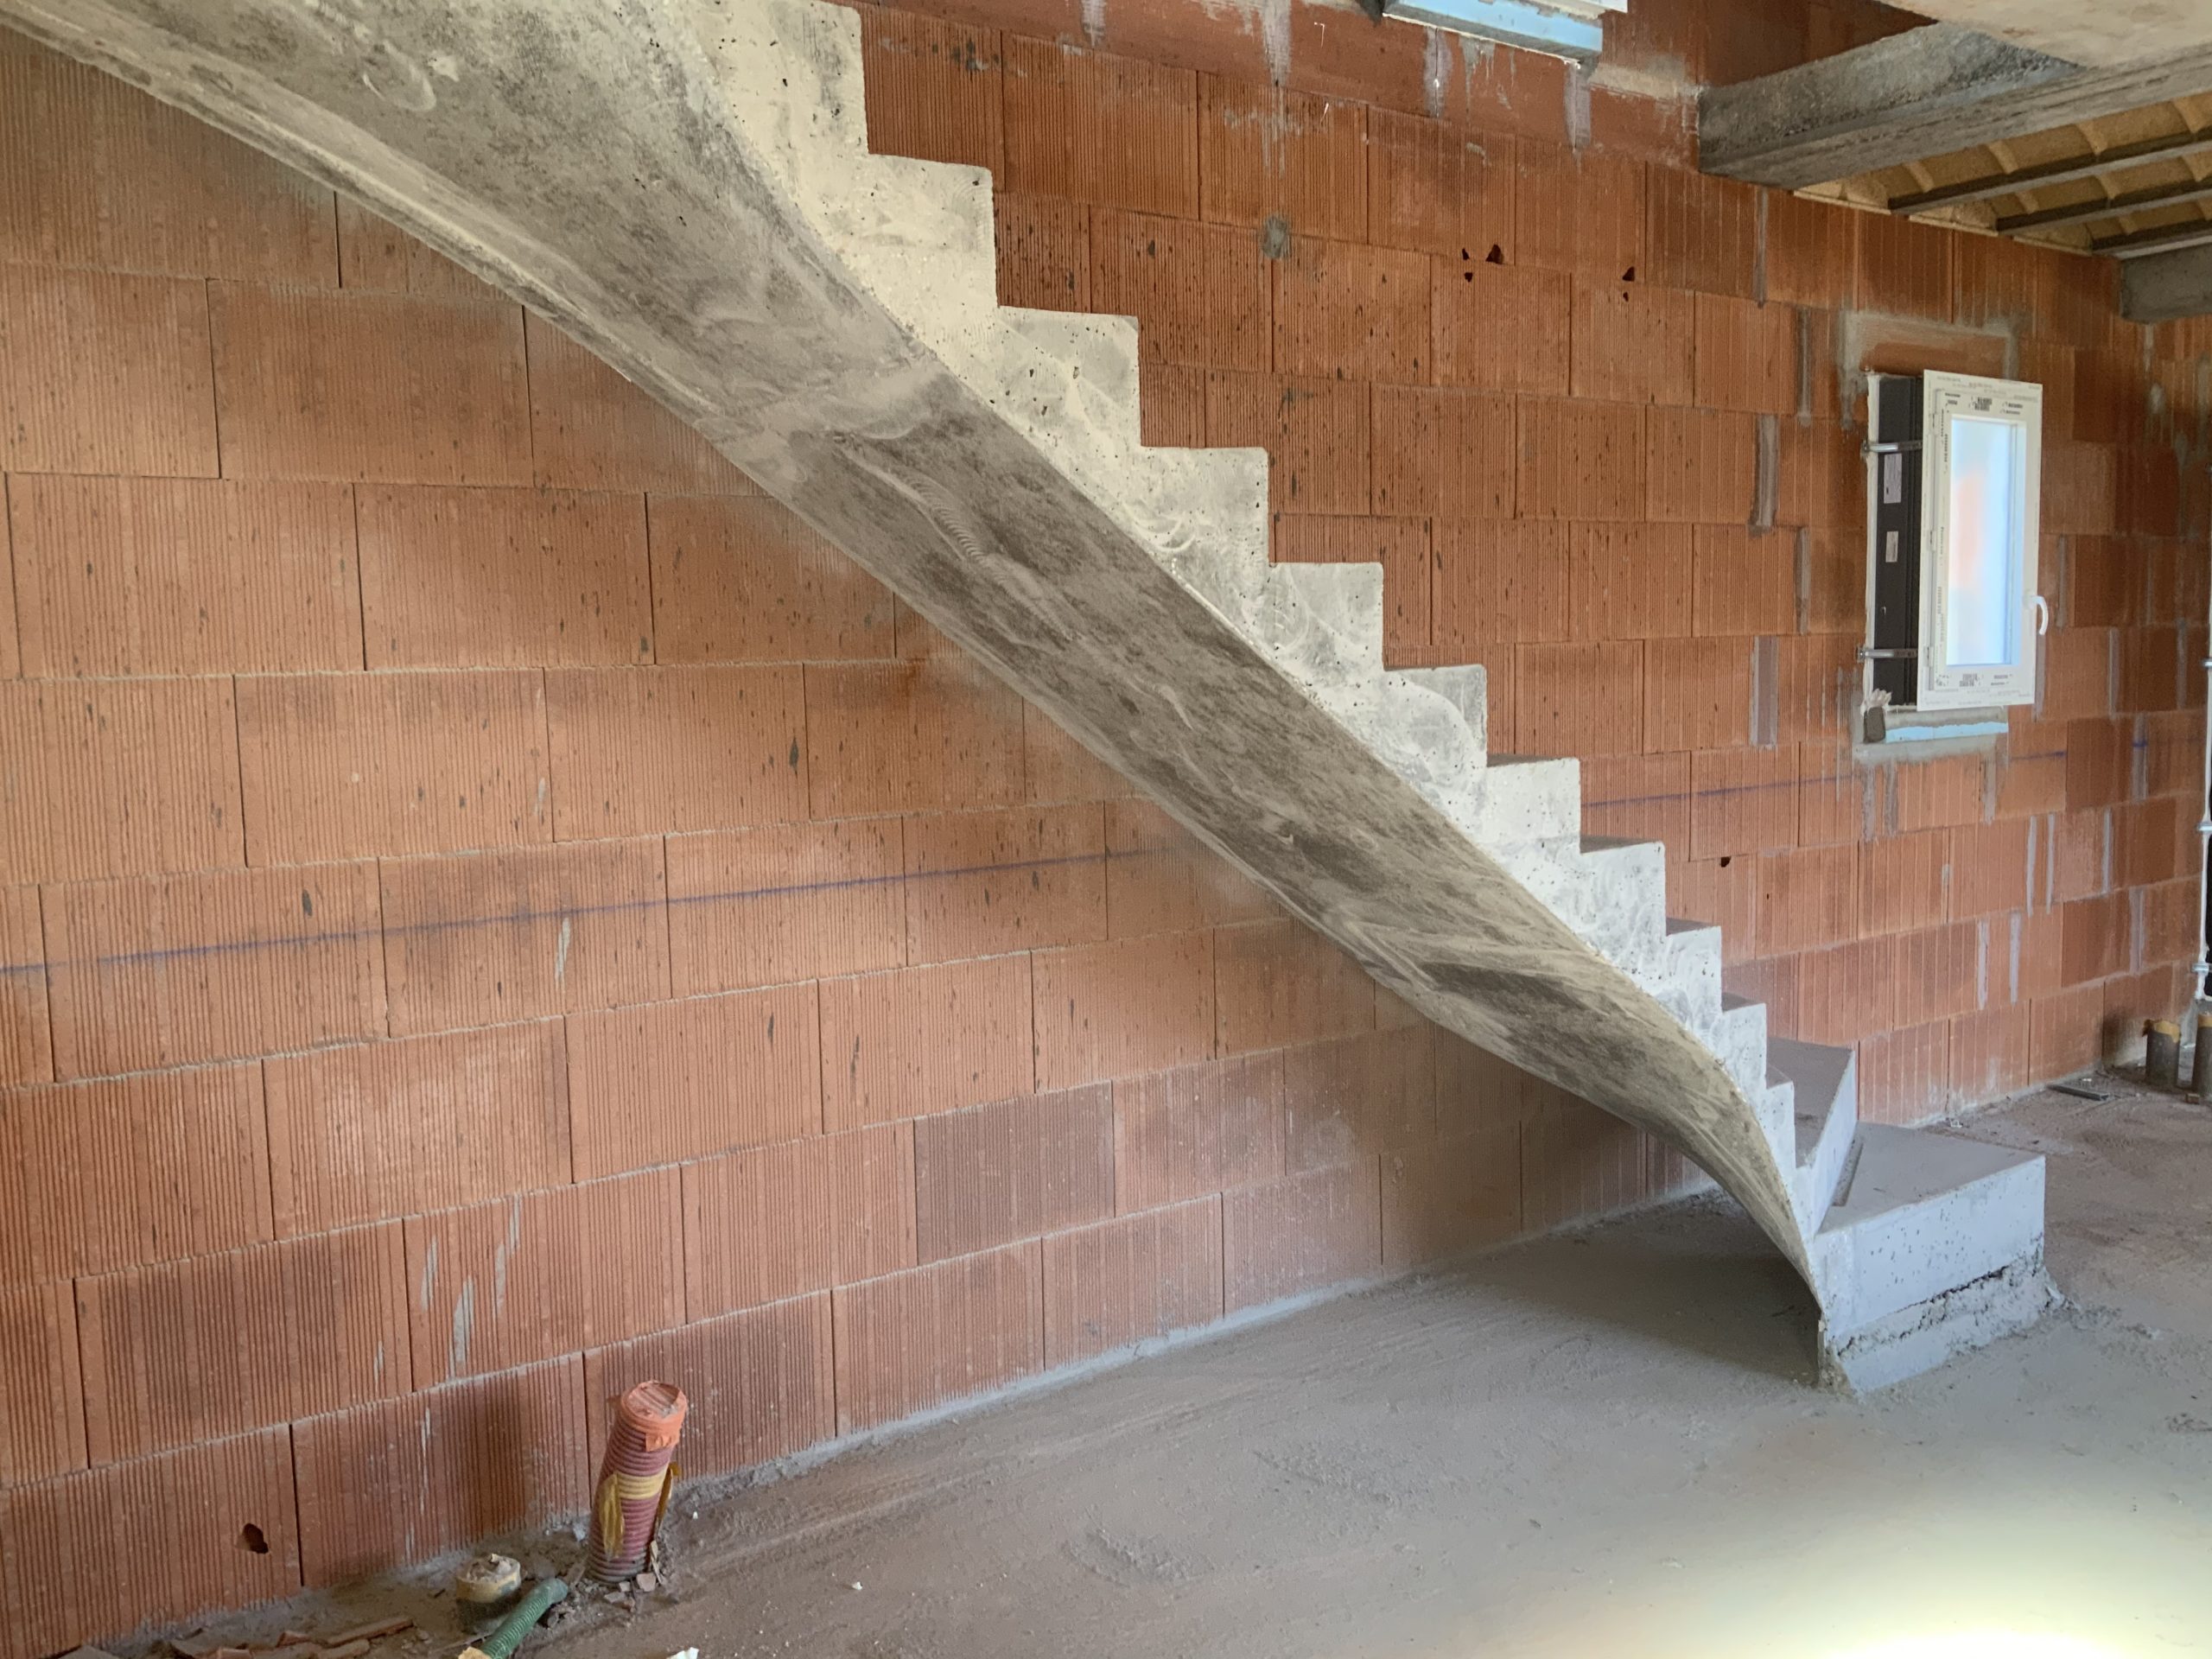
1982, 450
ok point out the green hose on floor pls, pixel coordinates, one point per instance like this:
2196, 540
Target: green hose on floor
536, 1602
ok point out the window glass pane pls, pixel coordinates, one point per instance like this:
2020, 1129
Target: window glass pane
1983, 616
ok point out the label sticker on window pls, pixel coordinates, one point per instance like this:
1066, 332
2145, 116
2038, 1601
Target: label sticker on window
1890, 548
1892, 478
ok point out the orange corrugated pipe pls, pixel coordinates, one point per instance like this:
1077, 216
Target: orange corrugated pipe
634, 1478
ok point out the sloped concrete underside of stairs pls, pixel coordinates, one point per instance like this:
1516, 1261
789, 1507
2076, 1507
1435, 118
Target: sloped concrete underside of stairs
585, 157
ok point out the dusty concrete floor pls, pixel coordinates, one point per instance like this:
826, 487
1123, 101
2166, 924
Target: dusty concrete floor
1606, 1444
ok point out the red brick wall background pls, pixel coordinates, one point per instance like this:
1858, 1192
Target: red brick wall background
491, 908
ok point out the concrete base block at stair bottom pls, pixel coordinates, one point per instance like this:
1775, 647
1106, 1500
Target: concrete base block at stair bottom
1921, 1337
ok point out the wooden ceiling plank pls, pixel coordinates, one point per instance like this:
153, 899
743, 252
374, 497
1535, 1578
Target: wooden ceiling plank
2089, 212
2066, 172
2161, 238
1928, 91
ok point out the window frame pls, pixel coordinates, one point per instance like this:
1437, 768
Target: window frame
2018, 405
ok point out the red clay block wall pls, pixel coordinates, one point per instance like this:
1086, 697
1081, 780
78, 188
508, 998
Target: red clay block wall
1598, 417
451, 820
492, 909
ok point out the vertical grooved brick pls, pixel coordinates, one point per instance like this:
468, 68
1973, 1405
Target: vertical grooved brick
1315, 433
980, 884
1502, 328
1744, 583
1577, 700
348, 765
172, 970
119, 778
1349, 311
1581, 460
751, 907
306, 1325
1439, 187
102, 372
97, 173
389, 1128
1161, 879
937, 1333
1199, 1128
540, 1275
26, 1023
675, 1080
1460, 1194
1128, 1281
769, 1222
434, 390
910, 737
1449, 453
383, 1485
1277, 983
1266, 152
102, 1176
1630, 580
1700, 233
1578, 1163
42, 1392
742, 578
925, 1040
486, 938
488, 577
592, 429
1580, 211
642, 750
1103, 129
147, 576
1349, 1098
1043, 246
1703, 466
149, 1541
992, 1174
1632, 343
1698, 694
1200, 293
1300, 1233
373, 253
1746, 801
1502, 582
933, 89
1132, 1004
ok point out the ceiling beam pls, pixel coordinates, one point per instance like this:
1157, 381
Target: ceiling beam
2072, 170
2137, 244
1929, 92
2167, 287
2089, 212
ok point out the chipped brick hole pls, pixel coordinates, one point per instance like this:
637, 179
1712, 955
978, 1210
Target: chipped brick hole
252, 1540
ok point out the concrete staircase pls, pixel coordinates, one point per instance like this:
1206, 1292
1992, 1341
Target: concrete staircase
828, 318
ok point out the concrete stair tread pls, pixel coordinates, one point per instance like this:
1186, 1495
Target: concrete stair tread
1898, 1169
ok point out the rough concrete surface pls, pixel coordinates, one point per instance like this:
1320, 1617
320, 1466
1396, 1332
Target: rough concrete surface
2128, 32
1601, 1443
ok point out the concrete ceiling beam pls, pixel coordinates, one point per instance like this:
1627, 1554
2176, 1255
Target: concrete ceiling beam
2112, 33
2167, 287
1929, 92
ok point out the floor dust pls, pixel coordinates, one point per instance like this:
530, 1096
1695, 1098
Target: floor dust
1607, 1443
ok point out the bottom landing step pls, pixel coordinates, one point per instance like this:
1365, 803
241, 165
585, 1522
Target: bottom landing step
1934, 1245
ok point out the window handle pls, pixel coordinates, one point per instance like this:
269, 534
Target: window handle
2043, 613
